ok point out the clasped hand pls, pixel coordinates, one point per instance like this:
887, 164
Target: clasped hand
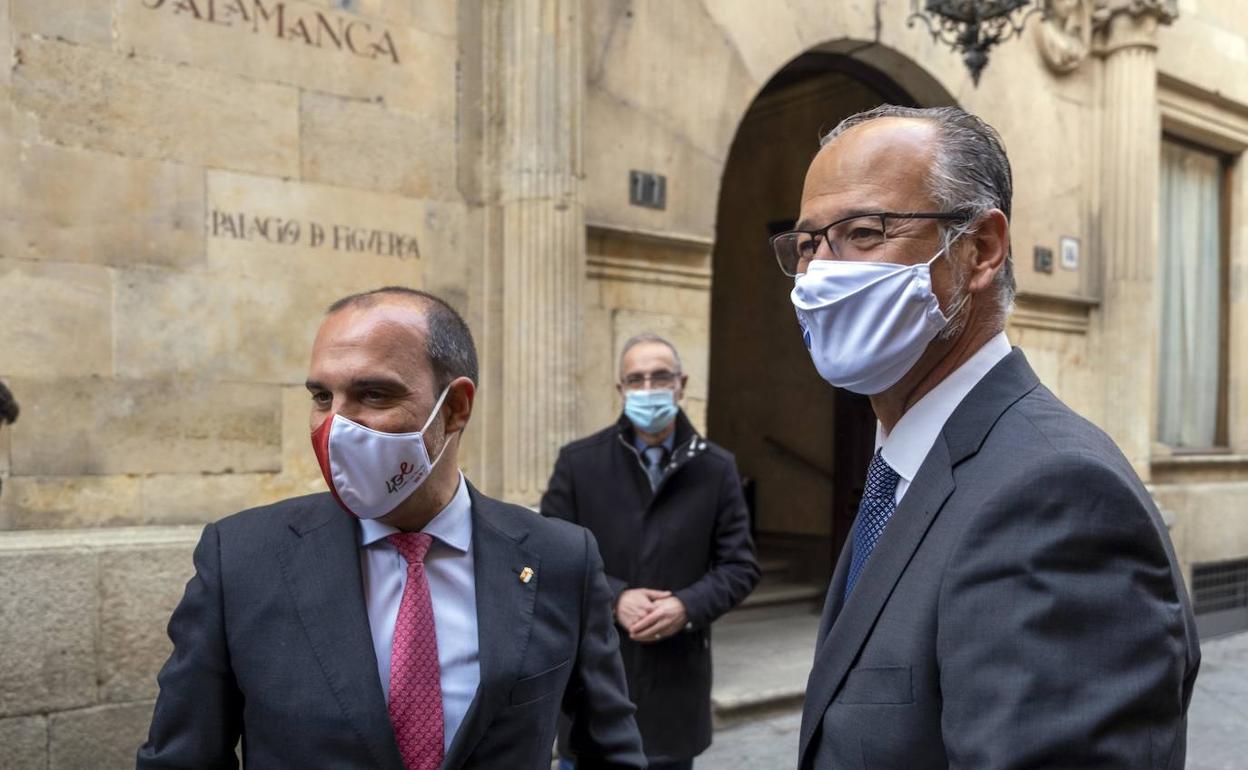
649, 615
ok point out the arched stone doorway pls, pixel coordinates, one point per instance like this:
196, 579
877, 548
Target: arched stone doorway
802, 445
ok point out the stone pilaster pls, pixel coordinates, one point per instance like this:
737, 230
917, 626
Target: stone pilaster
541, 228
1130, 158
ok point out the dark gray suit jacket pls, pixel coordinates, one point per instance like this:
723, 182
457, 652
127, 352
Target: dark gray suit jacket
272, 645
1023, 608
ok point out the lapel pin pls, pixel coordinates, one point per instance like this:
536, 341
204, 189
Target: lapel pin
526, 575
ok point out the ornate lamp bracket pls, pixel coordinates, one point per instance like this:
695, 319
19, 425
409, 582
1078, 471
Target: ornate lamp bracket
973, 27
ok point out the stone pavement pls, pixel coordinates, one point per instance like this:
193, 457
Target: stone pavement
1217, 729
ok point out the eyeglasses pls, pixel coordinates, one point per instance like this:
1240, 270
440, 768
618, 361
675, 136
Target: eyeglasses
660, 380
849, 238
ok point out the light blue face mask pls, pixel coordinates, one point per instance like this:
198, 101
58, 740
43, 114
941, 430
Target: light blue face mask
650, 411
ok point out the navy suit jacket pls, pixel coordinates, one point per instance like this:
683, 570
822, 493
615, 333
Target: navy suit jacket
272, 646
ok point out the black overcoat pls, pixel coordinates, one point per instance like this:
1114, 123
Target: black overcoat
690, 536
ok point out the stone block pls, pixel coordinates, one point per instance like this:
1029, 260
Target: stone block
97, 426
139, 588
101, 738
83, 206
1211, 517
314, 47
25, 742
690, 336
85, 97
438, 18
252, 314
368, 145
6, 48
201, 498
38, 502
87, 22
299, 466
48, 610
60, 320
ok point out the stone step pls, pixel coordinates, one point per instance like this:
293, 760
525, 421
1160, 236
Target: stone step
783, 592
775, 567
761, 665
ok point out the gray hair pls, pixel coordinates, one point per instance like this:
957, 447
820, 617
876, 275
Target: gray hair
971, 175
638, 339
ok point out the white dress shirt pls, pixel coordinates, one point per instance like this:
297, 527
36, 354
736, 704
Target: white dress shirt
906, 446
453, 592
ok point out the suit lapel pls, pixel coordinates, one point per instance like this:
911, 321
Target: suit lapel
321, 566
836, 593
932, 485
504, 615
845, 628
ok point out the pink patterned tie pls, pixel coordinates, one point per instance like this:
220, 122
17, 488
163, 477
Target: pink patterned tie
415, 679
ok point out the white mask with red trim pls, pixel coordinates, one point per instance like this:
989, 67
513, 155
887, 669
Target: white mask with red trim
371, 473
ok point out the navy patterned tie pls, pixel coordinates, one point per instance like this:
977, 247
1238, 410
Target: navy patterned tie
878, 503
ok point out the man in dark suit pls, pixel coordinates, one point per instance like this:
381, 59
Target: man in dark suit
666, 507
403, 619
1009, 598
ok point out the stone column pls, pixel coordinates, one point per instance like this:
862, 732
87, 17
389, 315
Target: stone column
1130, 173
541, 229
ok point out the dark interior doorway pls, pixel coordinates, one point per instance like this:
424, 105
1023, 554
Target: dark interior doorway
803, 446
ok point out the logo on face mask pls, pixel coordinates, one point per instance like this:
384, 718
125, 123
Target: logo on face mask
398, 480
866, 323
357, 461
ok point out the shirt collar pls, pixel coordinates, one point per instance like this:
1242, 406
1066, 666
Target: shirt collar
452, 525
907, 445
668, 443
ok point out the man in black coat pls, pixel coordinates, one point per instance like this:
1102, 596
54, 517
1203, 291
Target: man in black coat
666, 507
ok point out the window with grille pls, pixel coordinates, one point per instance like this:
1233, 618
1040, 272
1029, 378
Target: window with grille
1220, 593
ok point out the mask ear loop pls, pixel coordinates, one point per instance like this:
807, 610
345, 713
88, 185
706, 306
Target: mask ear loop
944, 252
446, 441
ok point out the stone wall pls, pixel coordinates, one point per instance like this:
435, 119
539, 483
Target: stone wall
191, 184
82, 620
188, 185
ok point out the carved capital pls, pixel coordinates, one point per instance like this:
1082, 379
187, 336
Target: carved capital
1123, 24
1160, 11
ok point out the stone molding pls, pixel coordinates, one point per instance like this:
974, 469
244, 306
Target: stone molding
1052, 312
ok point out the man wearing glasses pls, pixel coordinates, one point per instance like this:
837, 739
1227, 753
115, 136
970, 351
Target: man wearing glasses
666, 507
1009, 597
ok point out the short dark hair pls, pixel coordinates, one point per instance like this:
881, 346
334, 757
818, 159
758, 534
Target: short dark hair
8, 405
449, 345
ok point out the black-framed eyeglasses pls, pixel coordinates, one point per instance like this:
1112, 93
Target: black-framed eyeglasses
849, 238
660, 380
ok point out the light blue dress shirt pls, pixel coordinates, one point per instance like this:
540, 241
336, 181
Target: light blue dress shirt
453, 591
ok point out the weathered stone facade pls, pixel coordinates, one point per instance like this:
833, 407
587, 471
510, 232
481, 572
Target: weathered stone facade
190, 182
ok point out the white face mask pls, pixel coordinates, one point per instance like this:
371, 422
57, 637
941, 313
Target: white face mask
866, 323
369, 472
